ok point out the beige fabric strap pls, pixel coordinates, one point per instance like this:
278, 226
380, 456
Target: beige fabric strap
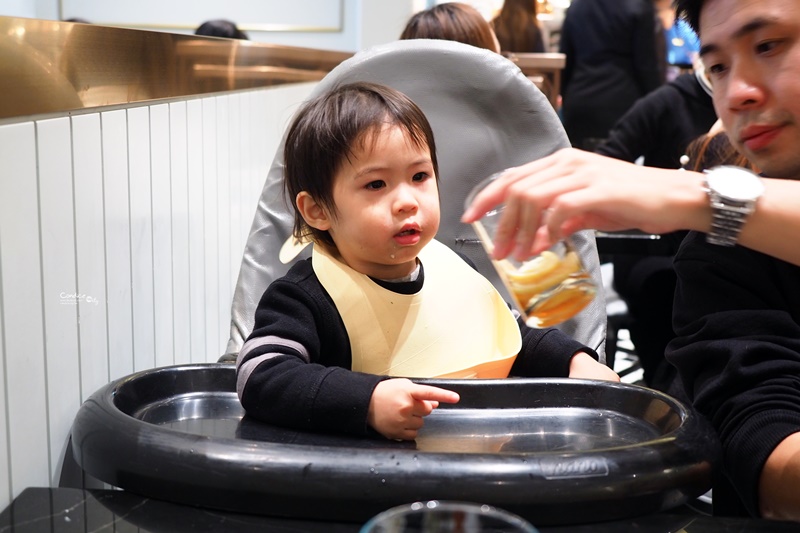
457, 326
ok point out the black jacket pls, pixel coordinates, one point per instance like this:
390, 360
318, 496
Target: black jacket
661, 125
611, 61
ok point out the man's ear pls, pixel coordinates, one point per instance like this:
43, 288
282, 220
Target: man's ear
313, 213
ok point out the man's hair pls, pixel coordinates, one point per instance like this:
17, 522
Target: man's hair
330, 127
689, 10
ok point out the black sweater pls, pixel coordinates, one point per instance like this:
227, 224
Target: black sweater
661, 125
737, 320
306, 381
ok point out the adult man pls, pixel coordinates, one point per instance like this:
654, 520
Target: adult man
737, 311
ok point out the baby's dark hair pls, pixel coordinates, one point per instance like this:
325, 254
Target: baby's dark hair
328, 128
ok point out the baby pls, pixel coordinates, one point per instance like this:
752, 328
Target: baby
379, 297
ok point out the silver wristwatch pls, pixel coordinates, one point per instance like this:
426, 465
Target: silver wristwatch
732, 193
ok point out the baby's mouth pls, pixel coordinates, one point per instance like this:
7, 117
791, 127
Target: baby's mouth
407, 232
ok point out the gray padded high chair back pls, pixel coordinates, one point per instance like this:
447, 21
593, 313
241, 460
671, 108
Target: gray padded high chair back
486, 116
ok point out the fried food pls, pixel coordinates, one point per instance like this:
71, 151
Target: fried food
549, 288
562, 304
542, 273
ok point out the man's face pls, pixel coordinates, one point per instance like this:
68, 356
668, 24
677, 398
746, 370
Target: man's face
751, 49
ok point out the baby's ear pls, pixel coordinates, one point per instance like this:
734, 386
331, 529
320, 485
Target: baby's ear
313, 213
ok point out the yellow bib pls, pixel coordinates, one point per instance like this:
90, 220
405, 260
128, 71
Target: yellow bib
457, 326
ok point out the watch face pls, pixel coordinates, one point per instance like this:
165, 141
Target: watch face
735, 183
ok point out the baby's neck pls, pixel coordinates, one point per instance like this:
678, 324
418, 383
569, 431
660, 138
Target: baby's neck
405, 279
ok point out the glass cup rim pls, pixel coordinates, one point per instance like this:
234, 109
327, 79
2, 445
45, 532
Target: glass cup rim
560, 290
450, 505
482, 185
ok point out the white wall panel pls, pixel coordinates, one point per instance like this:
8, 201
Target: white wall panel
180, 232
141, 238
211, 200
162, 233
118, 245
248, 166
90, 250
263, 149
224, 217
23, 324
235, 167
121, 235
197, 288
59, 282
5, 465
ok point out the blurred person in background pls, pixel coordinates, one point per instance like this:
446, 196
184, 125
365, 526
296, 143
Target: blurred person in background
682, 46
452, 21
220, 28
612, 60
517, 27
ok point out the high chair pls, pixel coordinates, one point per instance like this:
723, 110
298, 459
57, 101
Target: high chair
486, 116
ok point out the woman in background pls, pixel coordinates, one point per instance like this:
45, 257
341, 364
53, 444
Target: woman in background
452, 21
517, 27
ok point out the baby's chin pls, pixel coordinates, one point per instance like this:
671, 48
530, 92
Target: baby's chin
400, 256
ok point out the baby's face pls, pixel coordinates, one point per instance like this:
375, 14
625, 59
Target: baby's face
387, 203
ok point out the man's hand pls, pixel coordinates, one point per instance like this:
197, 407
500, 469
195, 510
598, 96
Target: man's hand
398, 406
571, 190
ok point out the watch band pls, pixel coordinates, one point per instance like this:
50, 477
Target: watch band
732, 194
727, 221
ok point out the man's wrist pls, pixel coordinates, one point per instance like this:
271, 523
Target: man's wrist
692, 200
732, 194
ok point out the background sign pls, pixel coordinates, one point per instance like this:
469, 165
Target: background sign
253, 15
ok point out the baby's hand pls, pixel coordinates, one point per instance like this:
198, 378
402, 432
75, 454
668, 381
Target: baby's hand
398, 406
582, 365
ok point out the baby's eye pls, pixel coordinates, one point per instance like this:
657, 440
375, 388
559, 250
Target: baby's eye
421, 176
375, 185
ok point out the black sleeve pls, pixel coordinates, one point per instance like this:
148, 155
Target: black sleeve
637, 132
293, 370
737, 351
546, 353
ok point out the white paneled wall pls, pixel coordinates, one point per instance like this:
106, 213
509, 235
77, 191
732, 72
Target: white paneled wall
121, 234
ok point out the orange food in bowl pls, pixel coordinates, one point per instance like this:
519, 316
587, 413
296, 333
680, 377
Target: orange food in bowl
561, 305
542, 274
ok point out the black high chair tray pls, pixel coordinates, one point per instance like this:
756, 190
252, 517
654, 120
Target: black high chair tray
555, 451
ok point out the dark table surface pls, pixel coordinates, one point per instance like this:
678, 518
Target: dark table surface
637, 243
64, 510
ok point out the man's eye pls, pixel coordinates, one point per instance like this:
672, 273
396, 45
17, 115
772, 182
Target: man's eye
375, 185
766, 47
717, 68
